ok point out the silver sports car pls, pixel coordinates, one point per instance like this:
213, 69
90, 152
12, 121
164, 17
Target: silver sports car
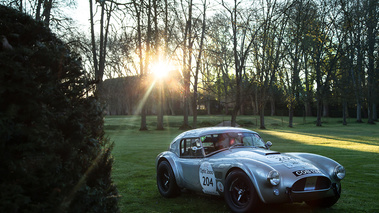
237, 164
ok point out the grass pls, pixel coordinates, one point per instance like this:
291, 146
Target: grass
355, 146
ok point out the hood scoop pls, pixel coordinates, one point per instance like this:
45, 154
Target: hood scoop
266, 152
272, 153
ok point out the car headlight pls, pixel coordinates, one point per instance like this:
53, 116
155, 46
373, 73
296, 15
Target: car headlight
340, 172
274, 177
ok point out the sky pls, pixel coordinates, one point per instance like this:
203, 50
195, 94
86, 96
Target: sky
81, 13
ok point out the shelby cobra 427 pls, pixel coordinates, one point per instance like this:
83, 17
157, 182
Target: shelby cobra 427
237, 164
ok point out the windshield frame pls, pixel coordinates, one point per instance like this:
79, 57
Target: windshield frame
215, 143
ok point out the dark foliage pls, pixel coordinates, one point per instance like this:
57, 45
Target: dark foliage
53, 155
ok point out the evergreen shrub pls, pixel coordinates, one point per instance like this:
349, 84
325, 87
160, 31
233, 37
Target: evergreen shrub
54, 156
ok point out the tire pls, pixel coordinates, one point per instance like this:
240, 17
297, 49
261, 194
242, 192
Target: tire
166, 182
240, 193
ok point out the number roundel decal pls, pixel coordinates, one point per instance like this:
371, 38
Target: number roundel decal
207, 179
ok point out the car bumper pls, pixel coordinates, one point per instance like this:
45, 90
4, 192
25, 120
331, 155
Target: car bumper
300, 191
299, 196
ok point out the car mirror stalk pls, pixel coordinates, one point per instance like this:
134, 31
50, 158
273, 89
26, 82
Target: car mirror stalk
268, 144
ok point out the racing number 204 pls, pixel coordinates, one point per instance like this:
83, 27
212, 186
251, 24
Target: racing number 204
207, 181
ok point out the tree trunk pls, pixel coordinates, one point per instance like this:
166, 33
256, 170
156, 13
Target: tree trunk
160, 107
319, 96
371, 26
237, 66
38, 10
47, 12
344, 113
318, 92
359, 111
359, 70
138, 10
290, 112
374, 112
325, 110
319, 112
161, 84
272, 101
197, 69
308, 92
147, 62
170, 106
93, 41
262, 117
187, 67
208, 106
143, 126
308, 108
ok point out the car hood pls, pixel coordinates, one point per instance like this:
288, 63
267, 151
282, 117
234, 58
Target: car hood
276, 160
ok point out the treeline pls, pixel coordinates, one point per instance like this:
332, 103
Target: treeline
246, 56
122, 97
299, 57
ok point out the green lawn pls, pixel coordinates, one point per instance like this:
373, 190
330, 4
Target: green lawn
355, 146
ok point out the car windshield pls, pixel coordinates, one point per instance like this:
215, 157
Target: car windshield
215, 142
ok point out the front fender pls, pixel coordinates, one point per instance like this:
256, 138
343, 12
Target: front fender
257, 172
323, 163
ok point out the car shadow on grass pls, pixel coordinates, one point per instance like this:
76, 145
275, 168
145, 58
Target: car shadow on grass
189, 201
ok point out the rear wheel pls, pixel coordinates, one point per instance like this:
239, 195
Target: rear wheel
240, 193
166, 180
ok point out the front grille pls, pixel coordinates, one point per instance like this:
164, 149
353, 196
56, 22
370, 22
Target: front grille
311, 183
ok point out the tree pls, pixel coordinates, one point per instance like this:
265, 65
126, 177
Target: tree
54, 155
371, 23
242, 38
326, 50
157, 44
298, 49
353, 26
220, 57
41, 10
143, 60
300, 14
187, 65
147, 61
99, 52
268, 51
198, 63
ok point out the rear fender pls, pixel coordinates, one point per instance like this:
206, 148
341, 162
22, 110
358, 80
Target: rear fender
169, 157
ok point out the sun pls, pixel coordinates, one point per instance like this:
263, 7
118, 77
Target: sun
160, 70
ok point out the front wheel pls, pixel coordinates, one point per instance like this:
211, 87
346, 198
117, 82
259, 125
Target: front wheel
240, 193
166, 180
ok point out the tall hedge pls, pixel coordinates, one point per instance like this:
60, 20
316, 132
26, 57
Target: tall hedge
53, 155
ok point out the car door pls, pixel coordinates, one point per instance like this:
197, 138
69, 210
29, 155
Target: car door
191, 156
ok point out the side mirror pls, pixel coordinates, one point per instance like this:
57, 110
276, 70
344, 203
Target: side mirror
268, 144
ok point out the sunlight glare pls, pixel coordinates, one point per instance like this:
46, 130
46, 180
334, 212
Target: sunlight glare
161, 70
322, 140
